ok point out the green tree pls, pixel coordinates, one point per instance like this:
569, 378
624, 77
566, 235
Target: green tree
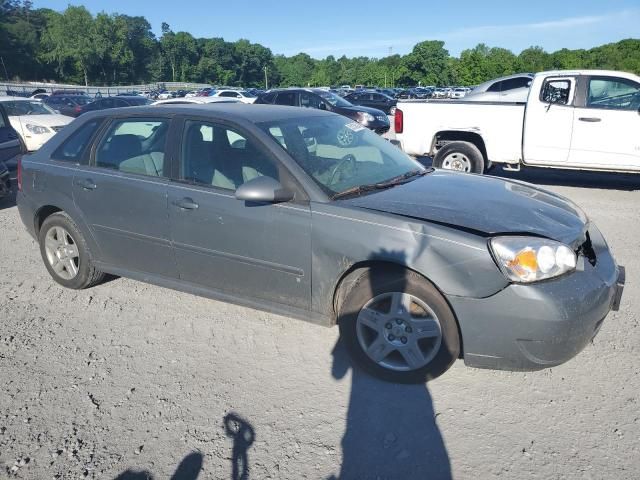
428, 63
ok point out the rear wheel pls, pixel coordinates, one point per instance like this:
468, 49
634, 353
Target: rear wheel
459, 156
65, 253
398, 327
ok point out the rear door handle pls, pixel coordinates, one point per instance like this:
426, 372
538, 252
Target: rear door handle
86, 183
589, 119
186, 204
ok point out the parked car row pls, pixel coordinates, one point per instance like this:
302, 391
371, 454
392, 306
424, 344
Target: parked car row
320, 99
36, 121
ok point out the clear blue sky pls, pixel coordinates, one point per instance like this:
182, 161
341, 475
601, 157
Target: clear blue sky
331, 27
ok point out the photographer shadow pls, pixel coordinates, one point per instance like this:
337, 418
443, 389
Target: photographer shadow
391, 430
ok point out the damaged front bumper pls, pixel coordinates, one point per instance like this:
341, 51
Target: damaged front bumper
540, 325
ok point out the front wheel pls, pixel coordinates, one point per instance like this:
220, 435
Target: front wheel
461, 157
398, 327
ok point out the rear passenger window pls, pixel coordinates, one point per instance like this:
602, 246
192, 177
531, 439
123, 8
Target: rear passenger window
496, 87
269, 97
134, 146
286, 98
74, 147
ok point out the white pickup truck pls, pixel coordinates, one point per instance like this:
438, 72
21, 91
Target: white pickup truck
582, 120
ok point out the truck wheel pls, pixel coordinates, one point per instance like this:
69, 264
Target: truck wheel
461, 157
398, 327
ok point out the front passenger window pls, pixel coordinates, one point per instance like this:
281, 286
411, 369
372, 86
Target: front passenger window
613, 93
134, 146
218, 156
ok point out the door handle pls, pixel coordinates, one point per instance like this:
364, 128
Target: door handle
186, 204
86, 183
589, 119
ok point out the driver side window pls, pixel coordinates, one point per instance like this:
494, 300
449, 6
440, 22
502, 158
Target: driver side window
556, 91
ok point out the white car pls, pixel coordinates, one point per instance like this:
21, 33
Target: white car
34, 121
459, 93
439, 93
243, 96
514, 88
195, 100
191, 94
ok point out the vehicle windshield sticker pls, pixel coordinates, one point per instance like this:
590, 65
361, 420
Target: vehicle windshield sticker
355, 126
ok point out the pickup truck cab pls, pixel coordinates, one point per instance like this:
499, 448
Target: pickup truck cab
581, 120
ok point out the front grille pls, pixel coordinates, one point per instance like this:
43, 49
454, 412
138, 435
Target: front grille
57, 128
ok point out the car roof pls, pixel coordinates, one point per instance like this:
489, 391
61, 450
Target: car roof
232, 111
606, 73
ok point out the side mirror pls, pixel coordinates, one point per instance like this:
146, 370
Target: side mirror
322, 106
263, 190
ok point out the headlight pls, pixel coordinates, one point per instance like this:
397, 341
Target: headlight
366, 116
37, 129
529, 259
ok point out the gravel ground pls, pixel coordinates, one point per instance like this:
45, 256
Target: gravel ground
134, 381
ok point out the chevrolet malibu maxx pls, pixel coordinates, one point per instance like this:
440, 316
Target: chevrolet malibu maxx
308, 214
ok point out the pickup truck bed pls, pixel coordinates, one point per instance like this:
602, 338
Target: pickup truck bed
499, 124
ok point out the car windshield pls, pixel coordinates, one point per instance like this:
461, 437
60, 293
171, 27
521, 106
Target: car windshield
341, 155
248, 94
25, 107
333, 99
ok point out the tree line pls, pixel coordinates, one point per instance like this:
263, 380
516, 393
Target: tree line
115, 49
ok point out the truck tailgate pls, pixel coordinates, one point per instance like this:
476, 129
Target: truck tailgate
499, 124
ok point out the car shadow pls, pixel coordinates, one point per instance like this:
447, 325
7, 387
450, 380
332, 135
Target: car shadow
564, 178
572, 178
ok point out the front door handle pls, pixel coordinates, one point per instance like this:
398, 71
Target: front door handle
589, 119
186, 204
86, 183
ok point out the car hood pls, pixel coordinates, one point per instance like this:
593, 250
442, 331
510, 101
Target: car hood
481, 204
357, 108
53, 120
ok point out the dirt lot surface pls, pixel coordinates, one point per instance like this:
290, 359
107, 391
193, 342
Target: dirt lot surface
135, 381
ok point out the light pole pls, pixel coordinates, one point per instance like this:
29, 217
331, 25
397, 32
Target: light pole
266, 80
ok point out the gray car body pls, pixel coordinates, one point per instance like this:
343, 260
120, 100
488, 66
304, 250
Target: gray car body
294, 258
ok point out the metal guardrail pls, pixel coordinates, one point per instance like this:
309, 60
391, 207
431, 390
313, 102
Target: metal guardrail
26, 89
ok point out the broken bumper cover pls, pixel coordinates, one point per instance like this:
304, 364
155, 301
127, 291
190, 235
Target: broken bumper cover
540, 325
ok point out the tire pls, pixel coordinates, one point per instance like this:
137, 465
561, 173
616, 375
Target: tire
59, 230
460, 156
384, 284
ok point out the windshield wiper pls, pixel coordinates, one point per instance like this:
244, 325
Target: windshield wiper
392, 182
